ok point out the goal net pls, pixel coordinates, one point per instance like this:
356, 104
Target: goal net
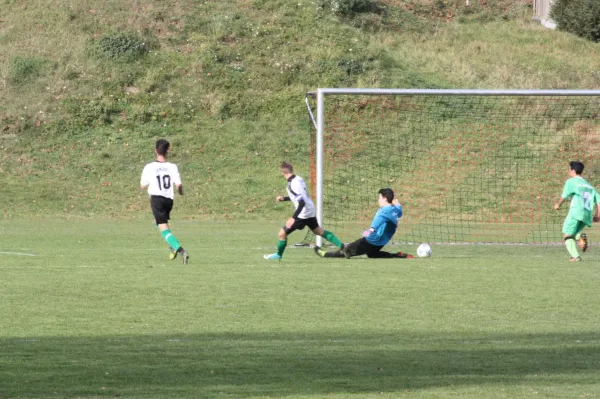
466, 165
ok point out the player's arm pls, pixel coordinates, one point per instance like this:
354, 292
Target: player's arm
378, 220
290, 222
367, 232
177, 179
301, 204
298, 189
144, 182
558, 203
397, 205
566, 193
596, 199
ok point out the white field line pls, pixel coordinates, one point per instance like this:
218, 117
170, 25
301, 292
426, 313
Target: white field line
17, 253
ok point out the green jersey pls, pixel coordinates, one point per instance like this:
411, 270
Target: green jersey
583, 198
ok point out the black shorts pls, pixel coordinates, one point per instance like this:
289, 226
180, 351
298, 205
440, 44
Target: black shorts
299, 224
161, 208
363, 247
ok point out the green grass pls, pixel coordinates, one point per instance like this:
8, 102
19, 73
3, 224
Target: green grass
99, 311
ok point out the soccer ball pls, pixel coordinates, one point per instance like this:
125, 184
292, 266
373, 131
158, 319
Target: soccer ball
424, 251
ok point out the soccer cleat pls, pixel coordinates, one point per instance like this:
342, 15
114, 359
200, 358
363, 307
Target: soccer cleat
172, 254
583, 242
185, 257
319, 251
274, 256
577, 259
405, 256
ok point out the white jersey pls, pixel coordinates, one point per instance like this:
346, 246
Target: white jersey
160, 177
296, 189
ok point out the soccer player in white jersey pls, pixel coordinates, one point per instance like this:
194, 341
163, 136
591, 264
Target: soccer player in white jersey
304, 214
159, 177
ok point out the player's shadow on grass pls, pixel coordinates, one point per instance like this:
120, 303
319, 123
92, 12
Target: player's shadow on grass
243, 365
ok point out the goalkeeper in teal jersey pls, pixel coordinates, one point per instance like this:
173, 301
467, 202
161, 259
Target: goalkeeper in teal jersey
382, 230
584, 198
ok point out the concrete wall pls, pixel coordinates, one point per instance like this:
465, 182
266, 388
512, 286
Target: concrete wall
541, 10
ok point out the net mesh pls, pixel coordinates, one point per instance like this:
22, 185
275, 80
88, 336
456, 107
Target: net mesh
465, 168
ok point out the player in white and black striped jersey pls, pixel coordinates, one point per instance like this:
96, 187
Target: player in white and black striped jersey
159, 177
304, 214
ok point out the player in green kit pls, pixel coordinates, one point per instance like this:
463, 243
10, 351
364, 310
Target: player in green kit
583, 199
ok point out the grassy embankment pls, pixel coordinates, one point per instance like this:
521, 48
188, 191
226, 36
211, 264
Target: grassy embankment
85, 89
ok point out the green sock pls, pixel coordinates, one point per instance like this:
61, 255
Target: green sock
578, 236
571, 247
329, 236
170, 239
281, 244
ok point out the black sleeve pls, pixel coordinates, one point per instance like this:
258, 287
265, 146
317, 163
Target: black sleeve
299, 209
286, 198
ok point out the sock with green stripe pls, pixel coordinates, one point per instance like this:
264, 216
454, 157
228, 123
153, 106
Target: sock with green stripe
281, 244
171, 240
571, 247
329, 236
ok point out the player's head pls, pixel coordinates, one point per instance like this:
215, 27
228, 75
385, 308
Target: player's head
286, 168
162, 147
576, 167
386, 196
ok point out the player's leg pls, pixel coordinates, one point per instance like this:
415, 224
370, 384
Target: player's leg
582, 238
161, 208
281, 244
389, 255
355, 248
167, 235
329, 254
349, 250
328, 235
570, 229
172, 252
172, 241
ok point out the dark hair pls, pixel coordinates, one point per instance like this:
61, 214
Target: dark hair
162, 146
287, 166
387, 193
576, 166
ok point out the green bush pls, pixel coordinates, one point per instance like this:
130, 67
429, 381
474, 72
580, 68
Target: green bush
345, 7
580, 17
26, 69
121, 46
91, 112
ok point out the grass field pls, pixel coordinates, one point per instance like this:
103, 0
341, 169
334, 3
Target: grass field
94, 309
